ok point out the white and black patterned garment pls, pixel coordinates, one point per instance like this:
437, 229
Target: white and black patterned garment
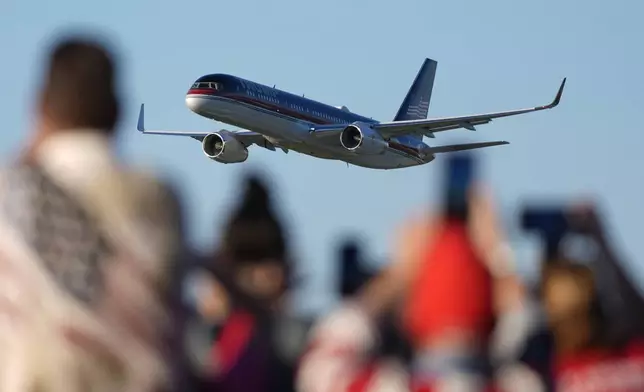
58, 230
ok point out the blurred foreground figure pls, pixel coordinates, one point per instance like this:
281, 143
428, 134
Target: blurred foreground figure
257, 342
440, 293
85, 244
594, 335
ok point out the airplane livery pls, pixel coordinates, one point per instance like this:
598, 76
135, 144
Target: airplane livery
275, 119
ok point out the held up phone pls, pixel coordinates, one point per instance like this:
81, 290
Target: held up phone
353, 273
562, 234
459, 176
550, 223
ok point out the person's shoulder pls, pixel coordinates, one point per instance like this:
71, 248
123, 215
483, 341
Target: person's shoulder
18, 182
14, 173
20, 187
6, 177
151, 188
146, 180
155, 199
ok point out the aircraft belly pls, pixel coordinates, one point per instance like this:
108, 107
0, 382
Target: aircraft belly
253, 119
387, 160
292, 134
281, 131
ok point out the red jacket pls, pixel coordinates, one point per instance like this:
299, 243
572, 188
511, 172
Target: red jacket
602, 370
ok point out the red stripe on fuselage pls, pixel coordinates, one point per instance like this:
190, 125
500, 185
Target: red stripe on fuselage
289, 112
262, 104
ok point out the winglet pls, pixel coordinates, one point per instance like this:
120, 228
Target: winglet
555, 102
140, 125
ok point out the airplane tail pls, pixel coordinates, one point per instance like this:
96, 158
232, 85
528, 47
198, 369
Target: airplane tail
416, 103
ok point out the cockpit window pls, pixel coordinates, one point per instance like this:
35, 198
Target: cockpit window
208, 85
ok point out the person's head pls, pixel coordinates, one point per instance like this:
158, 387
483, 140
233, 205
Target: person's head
570, 302
79, 87
567, 291
254, 243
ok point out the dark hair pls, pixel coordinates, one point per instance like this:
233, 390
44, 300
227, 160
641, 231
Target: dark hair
394, 342
253, 233
79, 85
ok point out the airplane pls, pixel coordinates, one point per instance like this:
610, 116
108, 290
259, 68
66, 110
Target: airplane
275, 119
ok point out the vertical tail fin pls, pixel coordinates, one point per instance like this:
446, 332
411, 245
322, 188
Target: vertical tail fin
416, 103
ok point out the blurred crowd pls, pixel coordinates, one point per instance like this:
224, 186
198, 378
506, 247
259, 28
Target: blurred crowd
99, 291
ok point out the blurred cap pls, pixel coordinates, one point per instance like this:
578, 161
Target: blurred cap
253, 233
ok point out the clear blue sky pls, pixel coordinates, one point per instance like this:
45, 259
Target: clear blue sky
492, 55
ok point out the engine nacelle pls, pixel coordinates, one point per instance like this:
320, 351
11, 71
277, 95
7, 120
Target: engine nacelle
360, 138
223, 147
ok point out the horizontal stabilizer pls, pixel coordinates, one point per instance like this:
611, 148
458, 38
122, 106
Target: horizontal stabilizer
462, 147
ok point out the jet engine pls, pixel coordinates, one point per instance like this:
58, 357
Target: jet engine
223, 147
360, 138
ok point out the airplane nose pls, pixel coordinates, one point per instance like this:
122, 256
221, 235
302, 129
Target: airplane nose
194, 103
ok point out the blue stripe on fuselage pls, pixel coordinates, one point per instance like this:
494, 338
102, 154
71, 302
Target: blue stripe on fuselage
286, 103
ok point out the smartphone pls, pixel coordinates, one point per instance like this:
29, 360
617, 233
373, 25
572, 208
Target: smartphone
353, 274
551, 223
459, 176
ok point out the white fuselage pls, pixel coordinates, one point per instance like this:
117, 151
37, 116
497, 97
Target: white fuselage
291, 133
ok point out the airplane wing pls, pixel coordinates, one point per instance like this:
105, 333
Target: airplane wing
247, 138
429, 126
